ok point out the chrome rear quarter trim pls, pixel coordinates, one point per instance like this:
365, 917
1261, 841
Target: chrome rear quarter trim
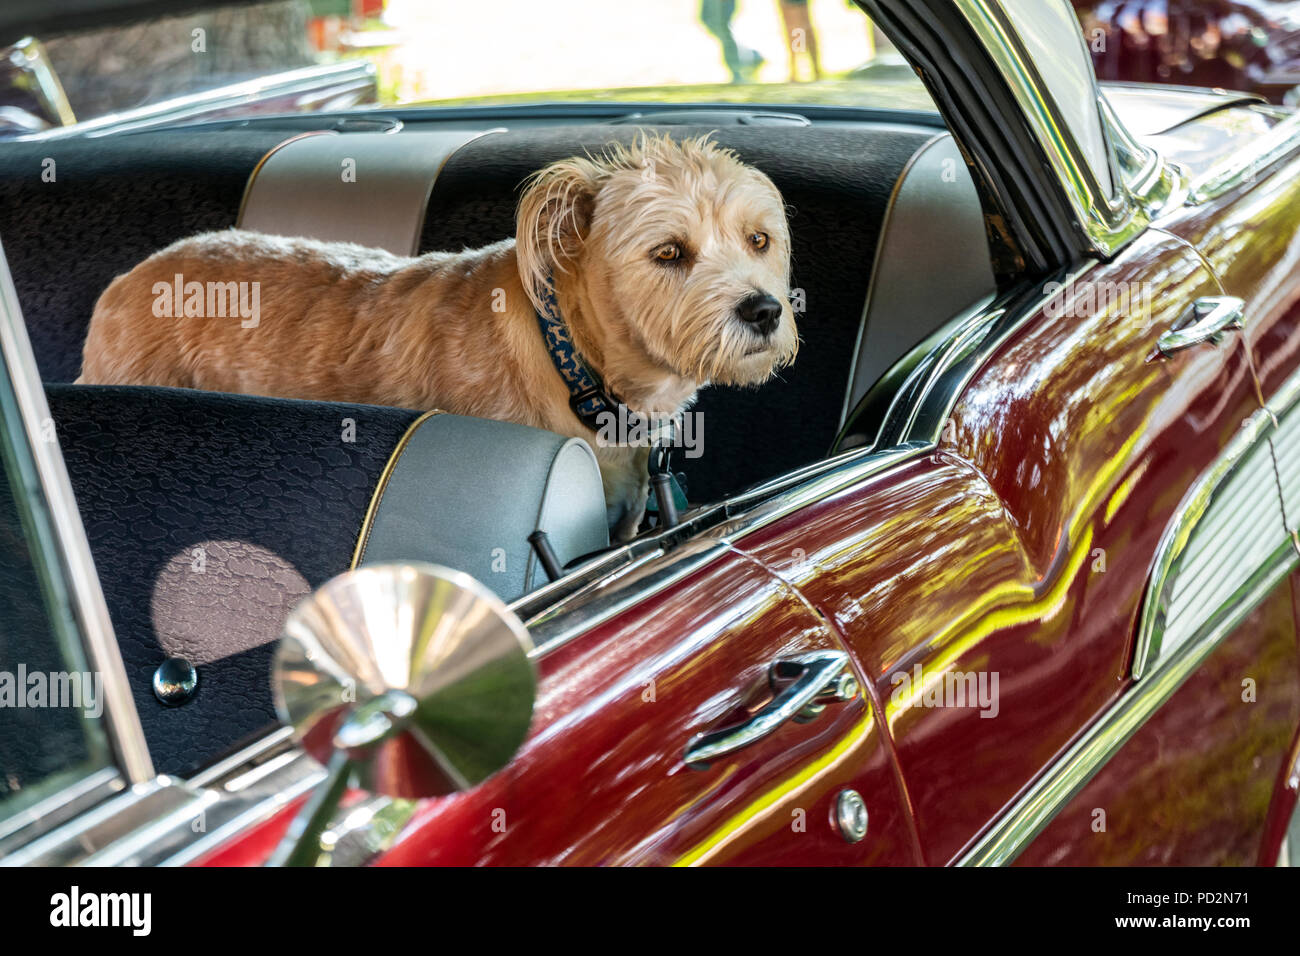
1242, 167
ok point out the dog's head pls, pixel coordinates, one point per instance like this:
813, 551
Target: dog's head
678, 247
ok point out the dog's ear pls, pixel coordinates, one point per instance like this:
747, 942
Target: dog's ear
554, 214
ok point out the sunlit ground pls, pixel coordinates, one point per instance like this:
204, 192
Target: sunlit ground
492, 47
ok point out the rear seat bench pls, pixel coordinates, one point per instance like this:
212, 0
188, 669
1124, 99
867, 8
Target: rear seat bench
118, 199
209, 516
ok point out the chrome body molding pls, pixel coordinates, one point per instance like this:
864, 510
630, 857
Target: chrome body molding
1067, 776
1229, 524
1285, 408
1190, 609
1256, 158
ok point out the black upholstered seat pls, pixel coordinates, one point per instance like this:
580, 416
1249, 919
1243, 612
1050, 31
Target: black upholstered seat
209, 516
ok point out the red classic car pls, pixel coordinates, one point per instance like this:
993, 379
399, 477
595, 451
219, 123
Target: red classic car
1250, 45
1003, 569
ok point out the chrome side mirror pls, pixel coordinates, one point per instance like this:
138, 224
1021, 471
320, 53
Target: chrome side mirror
412, 678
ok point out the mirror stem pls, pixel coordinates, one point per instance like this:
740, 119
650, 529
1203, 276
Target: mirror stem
301, 844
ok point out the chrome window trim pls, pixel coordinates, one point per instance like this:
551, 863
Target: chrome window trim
1108, 222
1161, 676
167, 822
125, 735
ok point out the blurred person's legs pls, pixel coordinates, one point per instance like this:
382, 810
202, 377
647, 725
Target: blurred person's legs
800, 37
716, 16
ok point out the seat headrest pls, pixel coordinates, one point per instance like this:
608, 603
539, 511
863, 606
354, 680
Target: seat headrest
467, 492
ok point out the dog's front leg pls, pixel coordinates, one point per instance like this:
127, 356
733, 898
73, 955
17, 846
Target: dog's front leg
626, 477
626, 529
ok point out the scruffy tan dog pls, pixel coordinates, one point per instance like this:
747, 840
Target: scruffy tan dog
670, 265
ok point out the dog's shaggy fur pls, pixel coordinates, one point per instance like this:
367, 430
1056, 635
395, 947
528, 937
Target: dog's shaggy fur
457, 331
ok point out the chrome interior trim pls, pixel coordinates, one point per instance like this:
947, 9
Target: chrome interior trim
1257, 157
357, 74
886, 219
87, 600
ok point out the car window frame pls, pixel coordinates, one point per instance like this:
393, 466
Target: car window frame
62, 553
1144, 184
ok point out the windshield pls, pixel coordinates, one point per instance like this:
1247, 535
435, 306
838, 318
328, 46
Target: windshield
312, 55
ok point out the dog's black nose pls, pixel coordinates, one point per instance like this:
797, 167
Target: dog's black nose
760, 311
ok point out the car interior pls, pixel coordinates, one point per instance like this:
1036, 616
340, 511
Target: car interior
209, 515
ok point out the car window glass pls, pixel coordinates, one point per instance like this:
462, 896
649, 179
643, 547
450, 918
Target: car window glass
51, 730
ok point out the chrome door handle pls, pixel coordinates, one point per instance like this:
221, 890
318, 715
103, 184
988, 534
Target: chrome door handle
819, 678
1213, 317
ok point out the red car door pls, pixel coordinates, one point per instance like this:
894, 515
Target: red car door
992, 585
682, 647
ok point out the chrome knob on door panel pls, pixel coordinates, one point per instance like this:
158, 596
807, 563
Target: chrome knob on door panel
1211, 318
851, 815
812, 681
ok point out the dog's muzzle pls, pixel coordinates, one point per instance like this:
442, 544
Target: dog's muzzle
760, 312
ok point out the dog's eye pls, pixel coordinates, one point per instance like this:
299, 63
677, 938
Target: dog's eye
670, 252
758, 240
